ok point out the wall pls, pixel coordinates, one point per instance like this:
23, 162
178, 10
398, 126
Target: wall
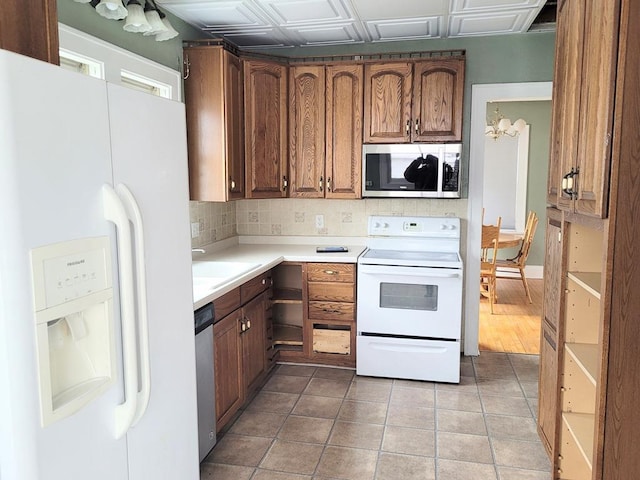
538, 115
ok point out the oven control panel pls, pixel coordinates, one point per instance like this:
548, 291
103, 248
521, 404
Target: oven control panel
442, 227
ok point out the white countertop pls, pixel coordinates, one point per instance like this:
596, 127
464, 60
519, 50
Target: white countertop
249, 258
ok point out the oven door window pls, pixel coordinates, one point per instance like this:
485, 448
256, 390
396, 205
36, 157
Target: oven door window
409, 296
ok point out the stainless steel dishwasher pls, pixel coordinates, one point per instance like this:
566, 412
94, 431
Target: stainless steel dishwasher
204, 318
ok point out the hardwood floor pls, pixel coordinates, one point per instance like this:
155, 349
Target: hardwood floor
514, 326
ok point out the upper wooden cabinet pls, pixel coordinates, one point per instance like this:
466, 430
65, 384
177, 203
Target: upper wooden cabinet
414, 101
265, 107
215, 124
584, 88
325, 132
33, 32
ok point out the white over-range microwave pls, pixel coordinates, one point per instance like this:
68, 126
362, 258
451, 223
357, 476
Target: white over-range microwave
411, 170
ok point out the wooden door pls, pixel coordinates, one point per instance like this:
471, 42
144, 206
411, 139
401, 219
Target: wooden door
344, 102
265, 102
307, 131
234, 123
253, 341
596, 106
548, 389
228, 367
566, 98
438, 88
553, 268
387, 102
30, 27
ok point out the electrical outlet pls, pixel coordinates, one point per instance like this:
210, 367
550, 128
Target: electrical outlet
319, 221
195, 229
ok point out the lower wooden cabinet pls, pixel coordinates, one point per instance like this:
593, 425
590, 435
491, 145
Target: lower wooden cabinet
548, 388
241, 350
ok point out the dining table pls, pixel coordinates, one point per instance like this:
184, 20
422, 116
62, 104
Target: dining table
509, 239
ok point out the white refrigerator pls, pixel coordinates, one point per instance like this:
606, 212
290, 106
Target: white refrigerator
89, 389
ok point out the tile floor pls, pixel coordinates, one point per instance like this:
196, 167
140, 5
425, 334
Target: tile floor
317, 423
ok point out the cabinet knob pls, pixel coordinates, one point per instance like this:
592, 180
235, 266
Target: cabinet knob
331, 272
328, 310
264, 281
408, 127
233, 184
329, 184
248, 324
285, 183
321, 183
417, 126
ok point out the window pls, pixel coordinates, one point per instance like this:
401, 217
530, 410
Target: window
83, 53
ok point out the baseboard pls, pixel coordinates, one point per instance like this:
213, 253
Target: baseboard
531, 271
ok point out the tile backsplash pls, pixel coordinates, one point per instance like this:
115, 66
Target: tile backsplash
289, 216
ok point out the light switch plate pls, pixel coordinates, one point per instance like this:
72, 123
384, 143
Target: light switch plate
195, 229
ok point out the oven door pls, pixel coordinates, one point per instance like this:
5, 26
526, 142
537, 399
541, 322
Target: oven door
410, 301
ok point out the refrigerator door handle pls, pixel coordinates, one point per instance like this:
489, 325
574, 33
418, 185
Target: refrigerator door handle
135, 215
114, 212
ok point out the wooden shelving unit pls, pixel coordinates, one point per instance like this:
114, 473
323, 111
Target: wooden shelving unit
287, 311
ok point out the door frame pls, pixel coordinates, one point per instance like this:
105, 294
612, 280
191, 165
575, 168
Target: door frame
481, 94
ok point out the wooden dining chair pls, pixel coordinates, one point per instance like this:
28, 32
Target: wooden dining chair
518, 263
488, 262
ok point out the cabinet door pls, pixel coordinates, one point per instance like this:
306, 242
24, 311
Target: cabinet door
253, 334
306, 131
438, 87
33, 31
596, 106
553, 268
234, 122
566, 98
344, 101
228, 367
548, 389
387, 102
265, 102
213, 98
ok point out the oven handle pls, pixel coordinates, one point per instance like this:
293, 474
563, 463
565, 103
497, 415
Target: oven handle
409, 271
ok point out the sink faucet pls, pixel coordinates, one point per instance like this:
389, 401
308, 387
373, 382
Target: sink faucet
198, 250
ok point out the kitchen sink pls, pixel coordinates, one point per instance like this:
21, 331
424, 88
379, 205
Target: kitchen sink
220, 270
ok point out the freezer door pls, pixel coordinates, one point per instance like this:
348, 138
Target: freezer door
149, 155
54, 159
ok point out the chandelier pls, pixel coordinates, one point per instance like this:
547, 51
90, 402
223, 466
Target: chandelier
140, 16
499, 126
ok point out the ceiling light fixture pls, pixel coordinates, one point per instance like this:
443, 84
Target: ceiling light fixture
153, 17
500, 126
136, 21
169, 33
111, 9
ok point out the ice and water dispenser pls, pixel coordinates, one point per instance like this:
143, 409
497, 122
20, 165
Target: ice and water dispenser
73, 301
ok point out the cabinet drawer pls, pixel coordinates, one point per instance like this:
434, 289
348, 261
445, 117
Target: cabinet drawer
337, 292
227, 303
255, 286
331, 272
332, 311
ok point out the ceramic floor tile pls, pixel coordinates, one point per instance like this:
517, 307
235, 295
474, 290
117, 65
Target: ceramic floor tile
370, 391
530, 389
491, 357
408, 416
286, 384
295, 370
496, 371
412, 397
499, 386
466, 385
518, 428
347, 463
258, 424
270, 475
410, 441
524, 360
275, 402
334, 373
392, 466
453, 470
357, 435
327, 387
214, 471
363, 412
507, 473
463, 447
306, 429
517, 406
292, 457
519, 454
527, 374
453, 400
315, 406
414, 384
239, 450
460, 422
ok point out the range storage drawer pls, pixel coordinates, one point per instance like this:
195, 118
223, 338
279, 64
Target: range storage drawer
331, 272
337, 292
332, 311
